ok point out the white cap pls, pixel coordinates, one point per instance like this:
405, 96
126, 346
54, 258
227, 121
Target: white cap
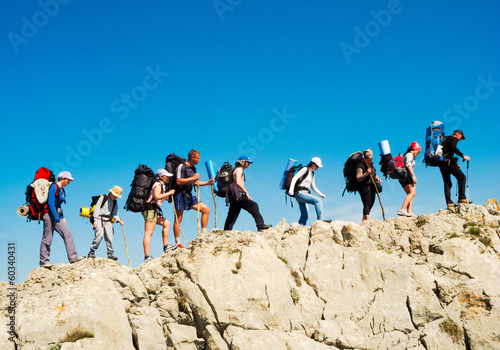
163, 172
317, 161
64, 175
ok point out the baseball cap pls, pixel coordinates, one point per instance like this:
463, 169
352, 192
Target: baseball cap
163, 172
245, 158
65, 175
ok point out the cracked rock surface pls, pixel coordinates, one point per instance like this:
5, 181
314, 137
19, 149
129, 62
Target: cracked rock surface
431, 282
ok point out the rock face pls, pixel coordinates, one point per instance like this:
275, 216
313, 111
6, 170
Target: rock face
431, 282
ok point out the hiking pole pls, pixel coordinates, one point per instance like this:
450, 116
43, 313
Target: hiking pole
126, 246
378, 195
177, 221
215, 205
468, 199
198, 214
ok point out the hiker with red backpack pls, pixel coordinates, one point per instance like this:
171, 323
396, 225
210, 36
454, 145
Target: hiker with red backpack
238, 198
299, 188
410, 180
53, 219
450, 167
367, 179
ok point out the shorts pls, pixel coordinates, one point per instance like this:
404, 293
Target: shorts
150, 215
184, 201
408, 180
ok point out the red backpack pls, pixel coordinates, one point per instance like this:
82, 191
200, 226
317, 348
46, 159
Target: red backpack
38, 208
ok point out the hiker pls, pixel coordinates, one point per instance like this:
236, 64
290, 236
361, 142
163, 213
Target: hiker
410, 180
451, 167
105, 210
365, 171
53, 219
238, 197
301, 182
186, 179
153, 215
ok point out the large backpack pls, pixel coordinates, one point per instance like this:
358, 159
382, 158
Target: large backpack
171, 163
37, 194
289, 174
393, 166
224, 178
434, 142
351, 184
93, 204
141, 186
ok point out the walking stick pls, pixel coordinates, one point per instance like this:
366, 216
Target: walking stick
177, 220
378, 195
468, 199
215, 205
198, 214
126, 246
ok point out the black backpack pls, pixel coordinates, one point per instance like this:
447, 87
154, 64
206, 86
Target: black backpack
351, 184
289, 174
94, 202
144, 179
171, 163
224, 178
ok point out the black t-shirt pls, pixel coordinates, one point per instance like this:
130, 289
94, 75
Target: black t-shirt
184, 171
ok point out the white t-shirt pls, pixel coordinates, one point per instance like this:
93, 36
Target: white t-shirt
409, 160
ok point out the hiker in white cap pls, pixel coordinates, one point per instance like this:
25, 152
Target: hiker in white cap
105, 212
53, 219
153, 215
299, 187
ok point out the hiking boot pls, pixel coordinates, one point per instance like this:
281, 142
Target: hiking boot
47, 265
402, 212
112, 257
91, 255
168, 247
264, 227
148, 258
327, 221
179, 245
464, 201
451, 205
80, 258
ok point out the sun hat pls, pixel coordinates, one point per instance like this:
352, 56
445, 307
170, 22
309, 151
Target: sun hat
116, 191
415, 146
368, 154
317, 161
65, 175
163, 172
460, 132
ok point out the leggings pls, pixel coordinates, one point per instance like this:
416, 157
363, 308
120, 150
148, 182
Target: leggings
367, 194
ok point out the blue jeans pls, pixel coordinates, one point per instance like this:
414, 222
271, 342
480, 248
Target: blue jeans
304, 198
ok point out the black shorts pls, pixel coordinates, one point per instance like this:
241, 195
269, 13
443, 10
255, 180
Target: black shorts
408, 180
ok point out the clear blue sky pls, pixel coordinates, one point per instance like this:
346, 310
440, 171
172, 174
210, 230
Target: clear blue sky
97, 88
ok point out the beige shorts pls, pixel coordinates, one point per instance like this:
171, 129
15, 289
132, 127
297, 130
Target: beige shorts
150, 215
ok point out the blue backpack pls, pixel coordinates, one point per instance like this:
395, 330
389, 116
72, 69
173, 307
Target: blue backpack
434, 141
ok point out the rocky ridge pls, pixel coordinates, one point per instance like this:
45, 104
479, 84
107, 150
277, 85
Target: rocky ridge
431, 282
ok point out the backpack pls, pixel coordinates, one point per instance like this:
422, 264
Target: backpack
393, 166
434, 142
37, 194
93, 204
141, 186
171, 163
289, 174
351, 183
224, 178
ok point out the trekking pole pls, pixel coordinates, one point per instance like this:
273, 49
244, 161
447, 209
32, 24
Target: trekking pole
378, 195
215, 205
198, 214
126, 246
468, 199
177, 221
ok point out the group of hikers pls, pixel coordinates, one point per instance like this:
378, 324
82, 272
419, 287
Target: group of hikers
105, 211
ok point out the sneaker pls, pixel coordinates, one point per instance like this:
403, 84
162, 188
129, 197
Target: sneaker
411, 215
264, 227
80, 258
112, 257
148, 258
91, 255
464, 201
402, 212
47, 265
179, 245
168, 247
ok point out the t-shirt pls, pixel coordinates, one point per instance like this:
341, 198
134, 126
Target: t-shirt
152, 199
184, 171
409, 160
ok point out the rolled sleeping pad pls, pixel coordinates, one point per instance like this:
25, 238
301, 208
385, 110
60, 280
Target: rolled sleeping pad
212, 173
23, 211
384, 147
291, 162
85, 212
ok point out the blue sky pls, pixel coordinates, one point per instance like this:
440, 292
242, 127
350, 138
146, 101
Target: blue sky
98, 88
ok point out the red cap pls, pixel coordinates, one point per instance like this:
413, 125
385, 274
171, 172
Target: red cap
415, 146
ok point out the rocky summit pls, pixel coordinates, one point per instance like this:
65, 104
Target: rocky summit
430, 282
